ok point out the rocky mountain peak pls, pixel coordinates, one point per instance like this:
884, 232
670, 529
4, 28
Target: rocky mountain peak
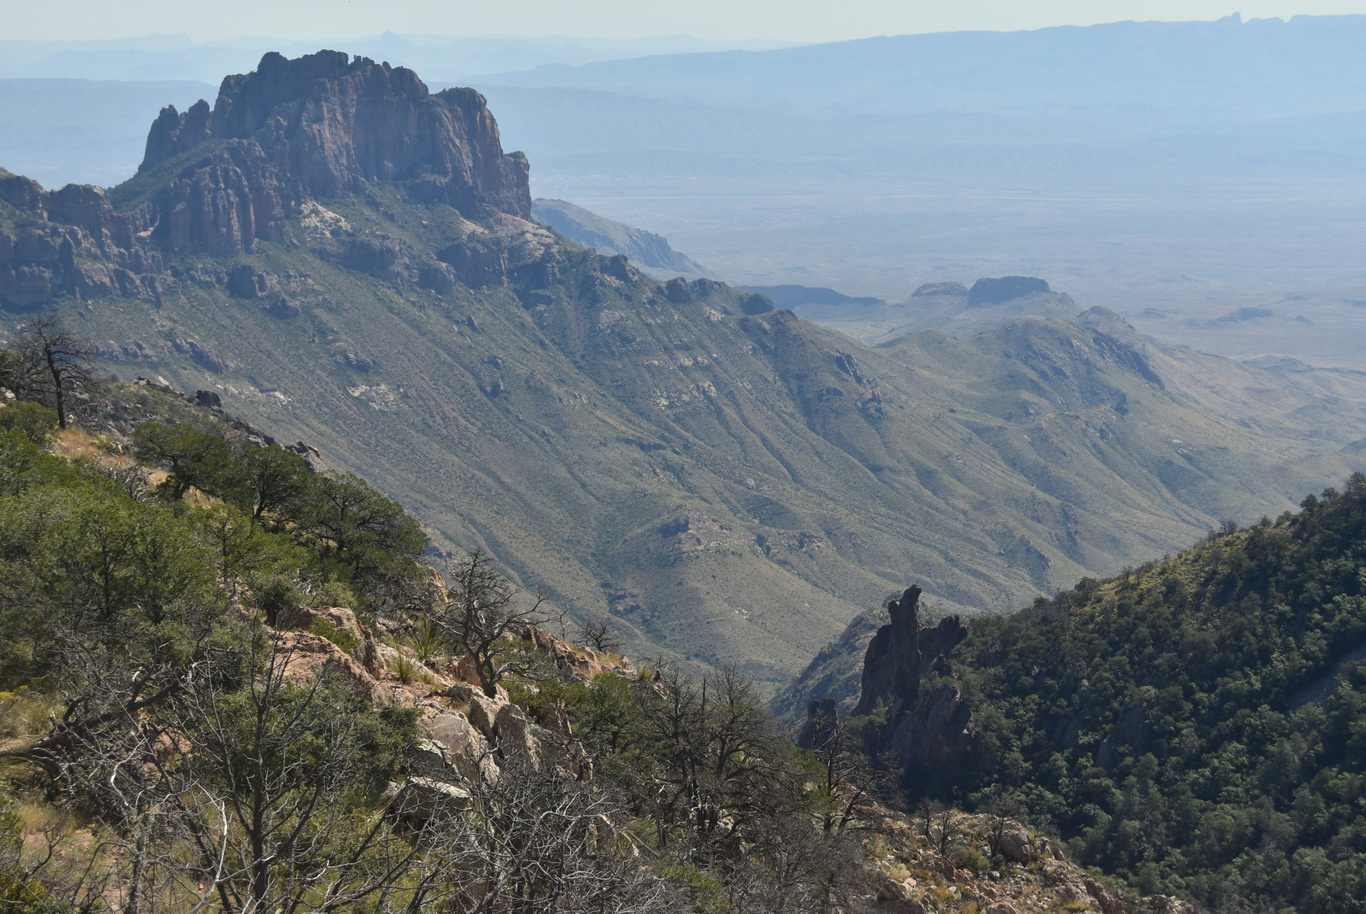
216, 180
902, 654
319, 125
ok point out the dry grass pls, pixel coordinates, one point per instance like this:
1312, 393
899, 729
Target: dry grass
24, 715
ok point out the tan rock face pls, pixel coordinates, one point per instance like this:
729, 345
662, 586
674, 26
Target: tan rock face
310, 656
515, 738
464, 747
422, 799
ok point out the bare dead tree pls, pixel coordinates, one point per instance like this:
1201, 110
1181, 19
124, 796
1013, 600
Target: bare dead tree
280, 821
57, 361
596, 631
538, 839
852, 785
941, 825
250, 787
480, 613
1003, 813
795, 866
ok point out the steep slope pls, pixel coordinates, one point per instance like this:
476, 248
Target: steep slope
565, 767
645, 249
1195, 725
345, 258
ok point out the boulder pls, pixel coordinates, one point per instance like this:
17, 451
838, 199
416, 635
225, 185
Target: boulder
482, 710
462, 746
515, 736
894, 897
245, 281
421, 800
1107, 903
201, 355
428, 759
309, 656
1015, 846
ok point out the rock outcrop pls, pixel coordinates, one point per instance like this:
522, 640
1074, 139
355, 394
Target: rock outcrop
72, 243
906, 671
902, 654
1006, 288
222, 178
321, 125
940, 288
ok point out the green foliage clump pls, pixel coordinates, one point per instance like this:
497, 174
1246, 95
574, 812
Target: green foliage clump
175, 727
347, 532
342, 638
37, 423
1195, 726
260, 783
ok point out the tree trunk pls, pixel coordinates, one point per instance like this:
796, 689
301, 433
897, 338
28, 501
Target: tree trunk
55, 370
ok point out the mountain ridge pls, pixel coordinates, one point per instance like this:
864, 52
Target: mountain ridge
728, 482
645, 249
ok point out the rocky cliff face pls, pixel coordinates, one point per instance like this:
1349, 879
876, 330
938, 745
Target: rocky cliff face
321, 125
71, 243
906, 671
902, 654
292, 131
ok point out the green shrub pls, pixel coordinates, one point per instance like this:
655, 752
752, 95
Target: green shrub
37, 423
342, 638
276, 596
965, 856
334, 593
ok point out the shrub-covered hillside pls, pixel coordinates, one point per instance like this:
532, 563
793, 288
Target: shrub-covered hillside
171, 741
226, 684
1197, 726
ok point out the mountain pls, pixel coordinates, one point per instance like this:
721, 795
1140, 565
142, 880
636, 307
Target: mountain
417, 746
1192, 725
1179, 64
645, 249
949, 307
1157, 166
819, 304
443, 57
346, 258
1173, 172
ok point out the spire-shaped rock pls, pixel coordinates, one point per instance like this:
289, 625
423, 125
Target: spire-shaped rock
902, 654
928, 724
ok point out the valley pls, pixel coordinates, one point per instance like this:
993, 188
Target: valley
1056, 361
730, 483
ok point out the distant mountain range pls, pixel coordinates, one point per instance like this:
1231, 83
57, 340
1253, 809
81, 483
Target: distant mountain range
1166, 166
347, 258
1174, 172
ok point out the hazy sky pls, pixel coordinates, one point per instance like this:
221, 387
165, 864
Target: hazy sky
793, 20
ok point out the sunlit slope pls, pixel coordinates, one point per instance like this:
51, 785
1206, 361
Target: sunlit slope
731, 487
